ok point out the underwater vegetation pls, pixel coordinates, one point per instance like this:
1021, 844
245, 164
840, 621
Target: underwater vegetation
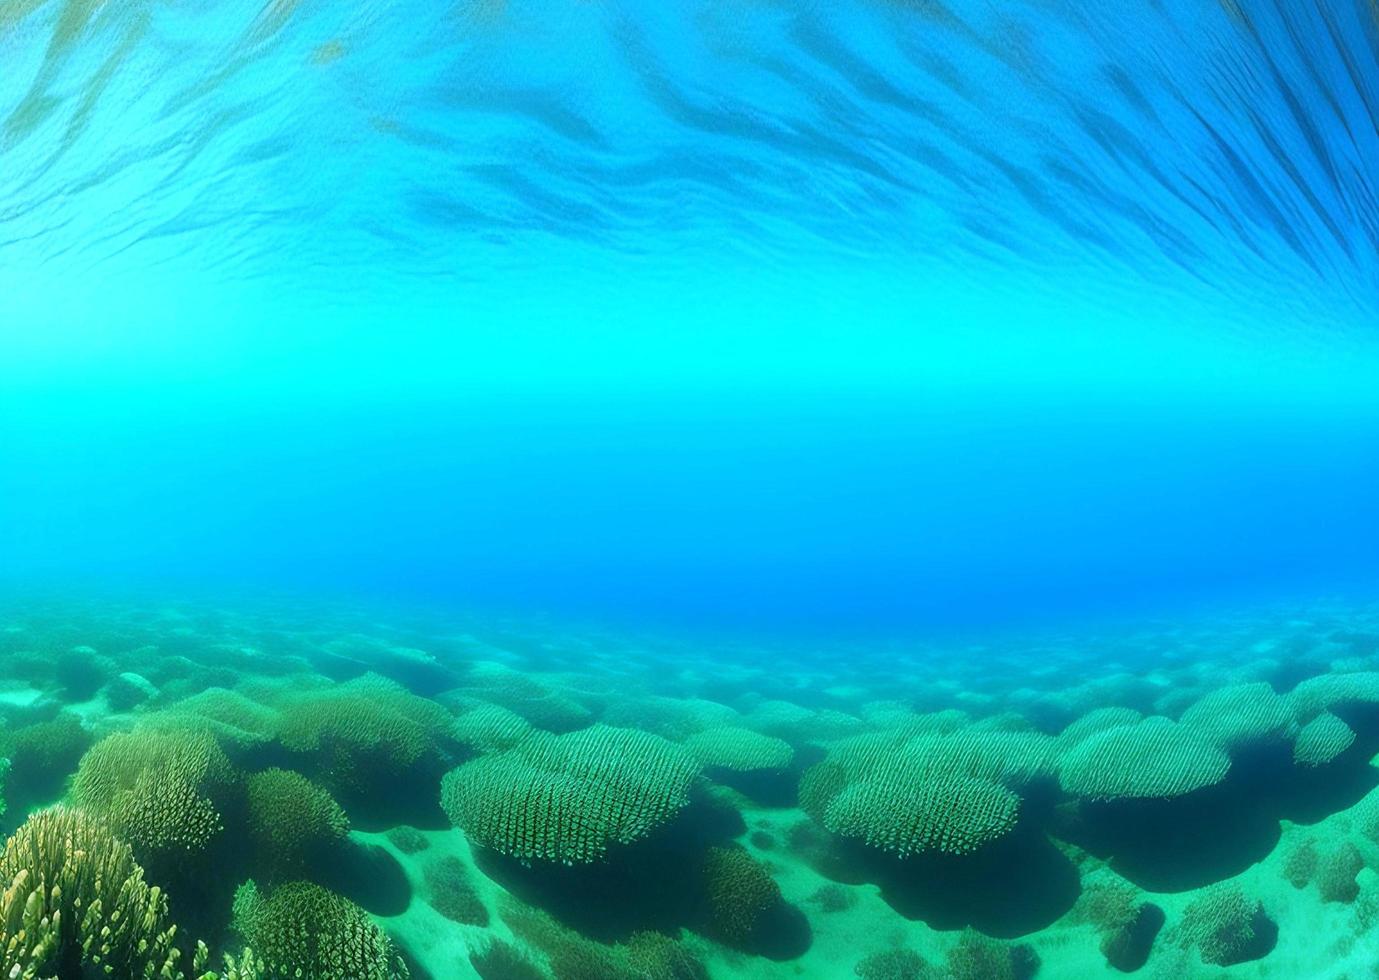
316, 794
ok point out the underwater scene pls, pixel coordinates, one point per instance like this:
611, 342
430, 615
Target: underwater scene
689, 489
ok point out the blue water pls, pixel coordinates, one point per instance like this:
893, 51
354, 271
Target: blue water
878, 316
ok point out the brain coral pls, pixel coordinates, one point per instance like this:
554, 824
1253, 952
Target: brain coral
302, 931
158, 789
1242, 714
566, 798
1151, 758
739, 749
71, 894
288, 815
1321, 740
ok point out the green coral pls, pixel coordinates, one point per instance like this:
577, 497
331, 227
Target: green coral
895, 964
1222, 924
1241, 715
302, 931
289, 815
567, 798
655, 956
71, 894
490, 728
238, 722
979, 957
159, 790
908, 793
1336, 874
1300, 865
739, 891
42, 754
452, 894
1127, 925
1097, 721
1324, 692
1322, 740
1151, 758
739, 749
363, 733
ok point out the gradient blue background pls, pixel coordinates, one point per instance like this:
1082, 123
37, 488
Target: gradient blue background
787, 317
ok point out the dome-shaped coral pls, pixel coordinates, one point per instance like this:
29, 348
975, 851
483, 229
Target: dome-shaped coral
1242, 715
490, 728
302, 931
906, 793
1151, 758
568, 797
739, 749
1321, 740
952, 814
739, 891
288, 815
362, 733
1223, 925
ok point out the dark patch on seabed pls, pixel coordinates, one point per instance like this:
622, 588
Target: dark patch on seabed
509, 809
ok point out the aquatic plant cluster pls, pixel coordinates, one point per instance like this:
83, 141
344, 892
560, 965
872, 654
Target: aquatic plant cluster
256, 793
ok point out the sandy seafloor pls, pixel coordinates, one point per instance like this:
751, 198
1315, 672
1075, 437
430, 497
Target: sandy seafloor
1244, 842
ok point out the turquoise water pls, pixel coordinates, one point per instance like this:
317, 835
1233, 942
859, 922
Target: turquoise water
406, 396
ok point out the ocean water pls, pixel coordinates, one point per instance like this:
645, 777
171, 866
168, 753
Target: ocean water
600, 489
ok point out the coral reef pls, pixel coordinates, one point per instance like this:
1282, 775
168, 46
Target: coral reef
1153, 757
1223, 925
73, 895
739, 892
567, 798
301, 931
288, 817
159, 790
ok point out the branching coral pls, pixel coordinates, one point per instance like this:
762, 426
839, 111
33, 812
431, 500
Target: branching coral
289, 815
159, 790
302, 931
566, 798
72, 894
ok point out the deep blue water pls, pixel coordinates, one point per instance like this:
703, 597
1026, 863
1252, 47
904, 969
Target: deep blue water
876, 315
